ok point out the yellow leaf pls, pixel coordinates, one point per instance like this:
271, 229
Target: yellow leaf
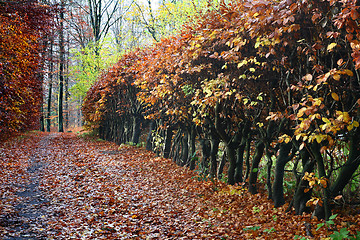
336, 77
302, 146
331, 46
309, 203
347, 117
301, 112
356, 124
348, 72
335, 96
317, 101
312, 183
325, 120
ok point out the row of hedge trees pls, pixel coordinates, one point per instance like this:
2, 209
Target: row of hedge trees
274, 82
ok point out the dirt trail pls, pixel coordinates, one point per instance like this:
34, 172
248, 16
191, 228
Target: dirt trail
25, 220
60, 186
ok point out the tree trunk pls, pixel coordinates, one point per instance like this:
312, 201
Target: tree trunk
192, 149
213, 155
61, 67
206, 150
259, 150
301, 198
42, 123
247, 158
67, 92
149, 138
168, 140
136, 129
349, 168
221, 166
174, 152
278, 187
323, 211
269, 163
48, 117
231, 155
184, 148
240, 161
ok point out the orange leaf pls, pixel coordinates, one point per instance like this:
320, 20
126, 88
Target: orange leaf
335, 96
338, 197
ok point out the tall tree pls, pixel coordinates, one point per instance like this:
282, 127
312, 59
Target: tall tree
61, 66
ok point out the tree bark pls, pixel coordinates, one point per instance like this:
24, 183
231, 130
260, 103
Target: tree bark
259, 150
247, 158
168, 140
149, 138
231, 155
349, 168
192, 149
221, 166
240, 161
278, 187
61, 67
136, 129
269, 163
325, 208
213, 155
184, 148
205, 149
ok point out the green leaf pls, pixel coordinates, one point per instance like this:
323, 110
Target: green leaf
342, 234
320, 225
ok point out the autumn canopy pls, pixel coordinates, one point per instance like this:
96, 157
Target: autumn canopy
271, 80
22, 26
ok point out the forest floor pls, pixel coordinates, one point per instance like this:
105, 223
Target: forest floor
62, 186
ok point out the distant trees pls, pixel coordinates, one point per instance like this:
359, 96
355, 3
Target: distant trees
272, 84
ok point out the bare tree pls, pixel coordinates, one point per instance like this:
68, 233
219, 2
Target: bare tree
101, 16
149, 22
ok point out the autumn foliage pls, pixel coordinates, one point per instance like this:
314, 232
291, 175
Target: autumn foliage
273, 84
22, 27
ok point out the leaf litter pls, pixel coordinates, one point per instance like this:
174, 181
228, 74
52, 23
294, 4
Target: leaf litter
61, 186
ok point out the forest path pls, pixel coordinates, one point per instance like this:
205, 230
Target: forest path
61, 186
